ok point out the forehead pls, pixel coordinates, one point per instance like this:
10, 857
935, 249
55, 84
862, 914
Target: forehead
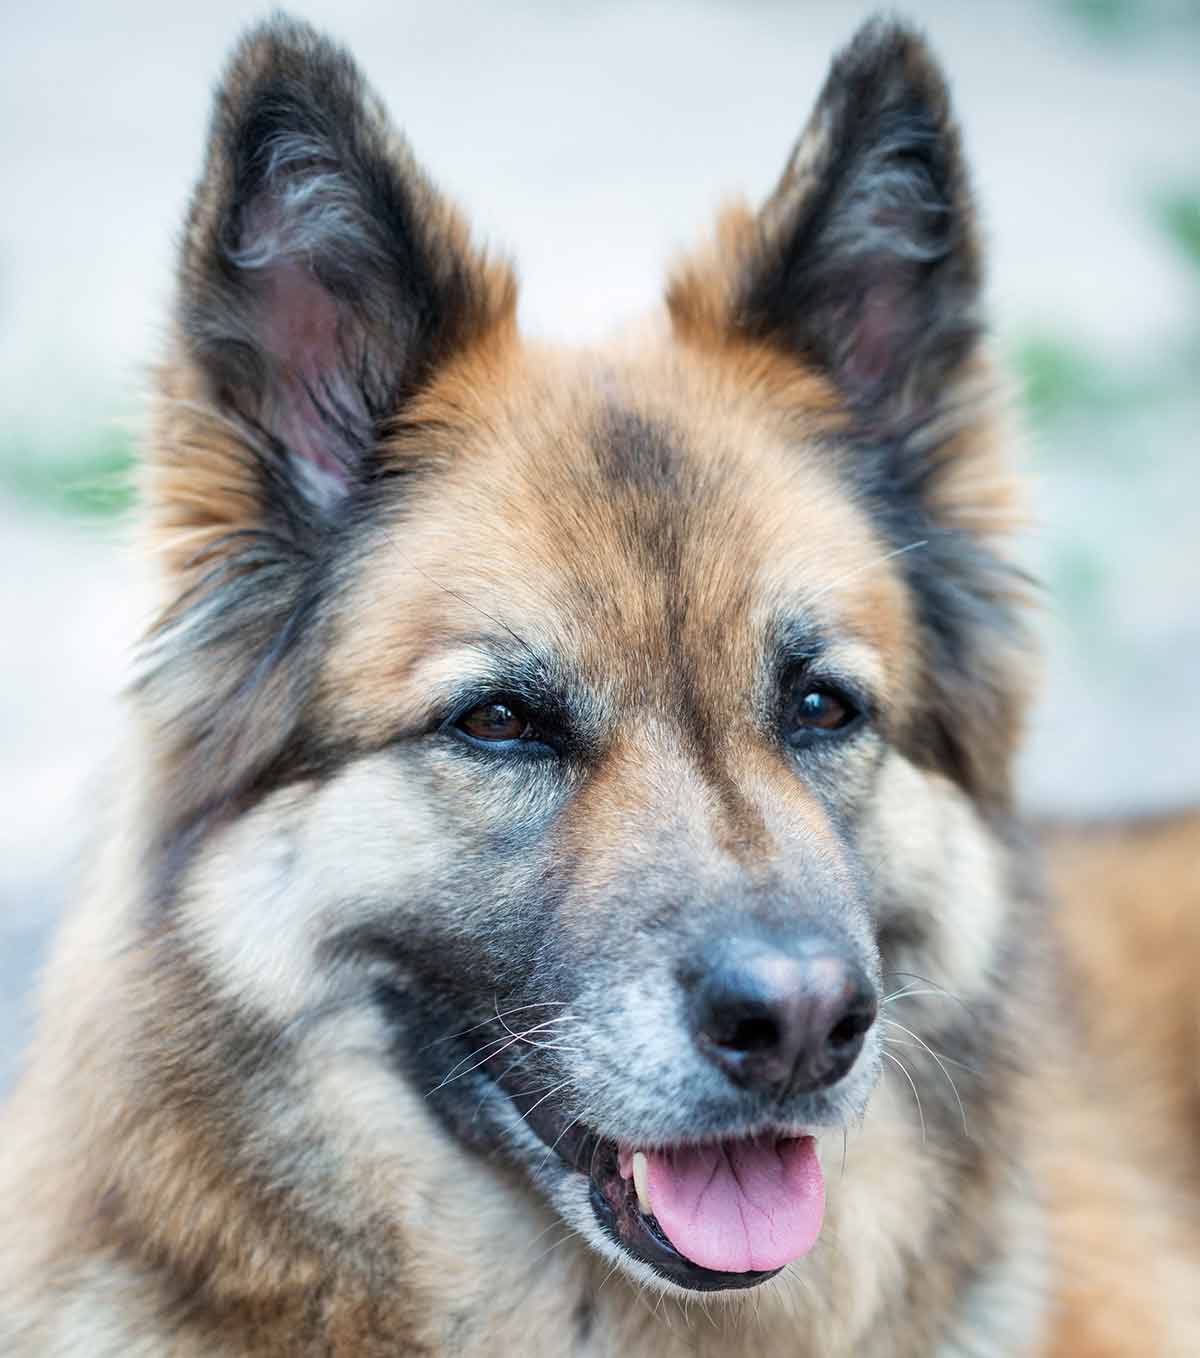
631, 516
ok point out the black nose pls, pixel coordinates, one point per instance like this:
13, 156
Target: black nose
782, 1021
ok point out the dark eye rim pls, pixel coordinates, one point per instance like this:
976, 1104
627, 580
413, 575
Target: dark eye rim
542, 743
800, 737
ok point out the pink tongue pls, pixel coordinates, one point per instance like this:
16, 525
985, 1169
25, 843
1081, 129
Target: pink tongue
741, 1205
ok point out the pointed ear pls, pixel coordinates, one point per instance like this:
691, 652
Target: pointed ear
323, 282
863, 263
322, 277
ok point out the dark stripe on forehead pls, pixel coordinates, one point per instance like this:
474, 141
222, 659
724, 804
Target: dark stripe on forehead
637, 454
644, 464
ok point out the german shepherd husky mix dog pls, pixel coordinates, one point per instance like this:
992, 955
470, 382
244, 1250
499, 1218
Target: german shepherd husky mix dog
561, 893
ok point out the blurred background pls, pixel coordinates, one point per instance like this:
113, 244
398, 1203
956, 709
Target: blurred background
594, 140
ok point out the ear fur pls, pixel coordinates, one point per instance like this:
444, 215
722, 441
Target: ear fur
322, 282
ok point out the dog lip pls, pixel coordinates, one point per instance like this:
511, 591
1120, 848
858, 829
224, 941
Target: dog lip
614, 1197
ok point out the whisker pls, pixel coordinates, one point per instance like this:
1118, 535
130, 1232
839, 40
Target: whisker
804, 1284
870, 565
515, 1062
554, 1144
908, 991
526, 1093
557, 1244
454, 594
553, 1089
640, 1295
449, 1037
660, 1310
904, 1071
502, 1017
795, 1296
941, 989
606, 1277
450, 1076
546, 1046
961, 1110
502, 1044
961, 1065
545, 1231
449, 1079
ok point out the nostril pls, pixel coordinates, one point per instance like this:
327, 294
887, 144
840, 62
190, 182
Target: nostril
849, 1030
753, 1035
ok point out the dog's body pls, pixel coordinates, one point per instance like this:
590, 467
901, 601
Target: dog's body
548, 771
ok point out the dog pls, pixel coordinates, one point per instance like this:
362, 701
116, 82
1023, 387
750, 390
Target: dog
561, 890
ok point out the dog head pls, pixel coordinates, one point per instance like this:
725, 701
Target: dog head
564, 755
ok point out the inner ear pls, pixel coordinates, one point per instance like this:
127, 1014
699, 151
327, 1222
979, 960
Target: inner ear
320, 362
312, 402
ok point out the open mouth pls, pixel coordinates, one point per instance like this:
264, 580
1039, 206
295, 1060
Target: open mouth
711, 1217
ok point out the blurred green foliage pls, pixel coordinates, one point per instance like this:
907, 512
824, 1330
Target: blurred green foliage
94, 480
1109, 437
1106, 16
1113, 19
1062, 378
1056, 375
1077, 577
1178, 213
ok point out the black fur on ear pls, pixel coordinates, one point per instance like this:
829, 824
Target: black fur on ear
870, 268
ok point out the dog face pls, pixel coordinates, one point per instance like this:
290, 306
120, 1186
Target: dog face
563, 756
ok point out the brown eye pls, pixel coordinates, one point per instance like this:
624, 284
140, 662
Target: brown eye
816, 711
496, 721
822, 711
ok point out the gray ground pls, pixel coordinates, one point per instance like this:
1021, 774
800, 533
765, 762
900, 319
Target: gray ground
595, 140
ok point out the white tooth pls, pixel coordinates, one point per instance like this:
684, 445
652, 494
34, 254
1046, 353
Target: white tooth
641, 1181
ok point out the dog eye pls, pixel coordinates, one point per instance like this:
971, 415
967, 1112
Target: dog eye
817, 710
497, 721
